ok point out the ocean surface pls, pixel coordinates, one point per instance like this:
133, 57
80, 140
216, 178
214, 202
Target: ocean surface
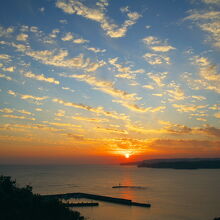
173, 194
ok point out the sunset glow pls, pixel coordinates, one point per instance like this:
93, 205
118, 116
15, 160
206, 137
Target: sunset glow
92, 80
127, 155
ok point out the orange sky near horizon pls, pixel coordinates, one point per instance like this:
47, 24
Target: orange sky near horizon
109, 81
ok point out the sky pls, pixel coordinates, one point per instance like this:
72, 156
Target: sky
96, 81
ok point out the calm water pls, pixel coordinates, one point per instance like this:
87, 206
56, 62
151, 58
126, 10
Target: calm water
174, 194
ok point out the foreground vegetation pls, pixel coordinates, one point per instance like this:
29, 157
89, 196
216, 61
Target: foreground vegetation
21, 204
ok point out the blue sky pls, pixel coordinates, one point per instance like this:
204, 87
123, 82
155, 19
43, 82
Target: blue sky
108, 78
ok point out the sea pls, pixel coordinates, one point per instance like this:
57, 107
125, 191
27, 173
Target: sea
173, 194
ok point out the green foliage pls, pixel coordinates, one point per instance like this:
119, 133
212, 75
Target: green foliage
21, 204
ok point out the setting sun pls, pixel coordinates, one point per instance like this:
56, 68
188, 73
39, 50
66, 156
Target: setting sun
127, 155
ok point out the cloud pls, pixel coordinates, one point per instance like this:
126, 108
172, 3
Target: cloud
158, 78
111, 130
63, 124
200, 98
217, 115
98, 110
96, 50
190, 147
17, 117
8, 69
80, 41
5, 57
208, 76
6, 110
162, 48
89, 119
10, 92
157, 45
6, 32
155, 59
67, 88
209, 22
127, 99
216, 2
105, 86
41, 78
176, 92
24, 112
5, 77
132, 106
60, 113
148, 86
188, 108
33, 97
98, 15
67, 37
59, 58
22, 37
9, 110
125, 71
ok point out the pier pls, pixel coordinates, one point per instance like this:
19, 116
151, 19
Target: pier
99, 198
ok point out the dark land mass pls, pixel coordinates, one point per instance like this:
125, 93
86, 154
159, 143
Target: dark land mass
21, 204
180, 163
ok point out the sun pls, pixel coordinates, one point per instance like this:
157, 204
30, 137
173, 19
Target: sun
127, 155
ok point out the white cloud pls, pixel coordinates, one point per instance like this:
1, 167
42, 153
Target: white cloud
125, 71
24, 96
96, 50
98, 14
209, 22
157, 45
216, 2
22, 37
80, 41
208, 76
41, 78
217, 115
98, 110
5, 32
5, 77
9, 69
67, 37
155, 59
158, 78
4, 57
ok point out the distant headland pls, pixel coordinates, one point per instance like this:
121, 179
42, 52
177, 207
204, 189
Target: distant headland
179, 163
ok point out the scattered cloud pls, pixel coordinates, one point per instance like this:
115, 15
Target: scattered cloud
96, 50
105, 86
5, 76
208, 21
217, 115
18, 117
98, 15
188, 108
80, 41
208, 77
81, 118
41, 78
98, 110
22, 37
155, 59
33, 97
157, 45
67, 37
125, 72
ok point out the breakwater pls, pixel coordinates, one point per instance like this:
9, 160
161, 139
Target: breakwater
99, 198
